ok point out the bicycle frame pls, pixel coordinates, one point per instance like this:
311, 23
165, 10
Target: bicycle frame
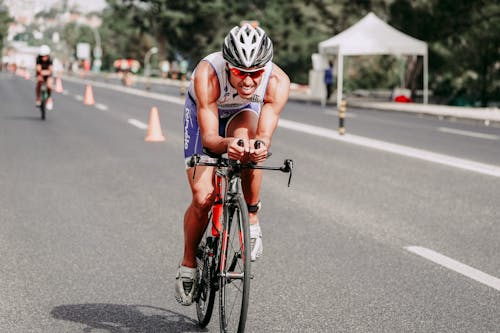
227, 186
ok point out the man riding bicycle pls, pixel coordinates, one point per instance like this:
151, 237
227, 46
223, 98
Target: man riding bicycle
44, 75
235, 94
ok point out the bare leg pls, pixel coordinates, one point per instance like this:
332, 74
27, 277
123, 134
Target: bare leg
38, 88
49, 86
196, 216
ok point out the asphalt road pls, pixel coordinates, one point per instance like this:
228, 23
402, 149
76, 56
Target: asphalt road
91, 222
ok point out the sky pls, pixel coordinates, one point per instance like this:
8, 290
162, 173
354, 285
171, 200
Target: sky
31, 7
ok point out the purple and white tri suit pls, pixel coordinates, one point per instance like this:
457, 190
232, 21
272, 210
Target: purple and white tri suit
229, 105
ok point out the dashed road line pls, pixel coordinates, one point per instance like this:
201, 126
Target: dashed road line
456, 266
79, 98
101, 107
468, 133
137, 123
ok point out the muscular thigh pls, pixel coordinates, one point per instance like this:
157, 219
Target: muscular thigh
202, 184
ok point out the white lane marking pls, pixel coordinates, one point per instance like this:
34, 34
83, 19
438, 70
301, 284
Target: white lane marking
137, 123
101, 107
460, 163
456, 266
336, 114
468, 133
79, 97
133, 91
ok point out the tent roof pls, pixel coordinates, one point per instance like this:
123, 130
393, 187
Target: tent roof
371, 35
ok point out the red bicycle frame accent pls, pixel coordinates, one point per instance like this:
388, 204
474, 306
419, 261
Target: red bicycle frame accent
217, 207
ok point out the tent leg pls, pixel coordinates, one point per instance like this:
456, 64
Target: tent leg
340, 78
426, 80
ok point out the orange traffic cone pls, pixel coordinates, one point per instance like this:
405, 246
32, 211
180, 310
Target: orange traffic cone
89, 96
154, 129
27, 75
59, 87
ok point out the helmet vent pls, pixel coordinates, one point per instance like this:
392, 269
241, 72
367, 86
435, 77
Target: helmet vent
247, 47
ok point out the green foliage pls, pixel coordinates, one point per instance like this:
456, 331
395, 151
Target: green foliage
463, 37
123, 32
74, 33
5, 19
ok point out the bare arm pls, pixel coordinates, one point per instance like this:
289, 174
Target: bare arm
274, 101
206, 86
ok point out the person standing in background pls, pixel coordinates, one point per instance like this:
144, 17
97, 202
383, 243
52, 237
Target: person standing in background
329, 80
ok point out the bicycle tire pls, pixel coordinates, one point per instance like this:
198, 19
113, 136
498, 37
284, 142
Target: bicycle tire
43, 104
206, 261
234, 281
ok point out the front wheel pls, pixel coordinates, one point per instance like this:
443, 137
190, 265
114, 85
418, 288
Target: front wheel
205, 258
43, 104
235, 267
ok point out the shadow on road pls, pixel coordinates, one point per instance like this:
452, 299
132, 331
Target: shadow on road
35, 116
117, 318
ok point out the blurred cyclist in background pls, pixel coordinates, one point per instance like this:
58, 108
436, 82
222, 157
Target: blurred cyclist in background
44, 75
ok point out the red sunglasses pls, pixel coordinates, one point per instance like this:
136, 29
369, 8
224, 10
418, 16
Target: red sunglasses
240, 74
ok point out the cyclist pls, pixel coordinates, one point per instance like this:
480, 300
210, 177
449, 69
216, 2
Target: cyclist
235, 94
44, 75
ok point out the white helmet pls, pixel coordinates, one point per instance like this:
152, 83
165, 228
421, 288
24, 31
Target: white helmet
247, 47
44, 50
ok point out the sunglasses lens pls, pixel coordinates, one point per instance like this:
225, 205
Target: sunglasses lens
242, 74
256, 74
238, 73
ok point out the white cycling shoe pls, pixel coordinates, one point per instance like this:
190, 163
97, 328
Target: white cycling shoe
186, 282
255, 242
50, 104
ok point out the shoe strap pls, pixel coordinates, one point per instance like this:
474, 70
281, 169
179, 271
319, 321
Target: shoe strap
254, 208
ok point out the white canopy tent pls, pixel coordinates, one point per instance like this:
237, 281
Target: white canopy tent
371, 35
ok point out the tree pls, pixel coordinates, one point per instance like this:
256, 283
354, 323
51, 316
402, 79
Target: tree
74, 33
5, 19
125, 31
463, 39
463, 36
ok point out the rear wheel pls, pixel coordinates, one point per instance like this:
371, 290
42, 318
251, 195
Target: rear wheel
205, 258
235, 263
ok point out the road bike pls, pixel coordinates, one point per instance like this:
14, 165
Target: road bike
223, 255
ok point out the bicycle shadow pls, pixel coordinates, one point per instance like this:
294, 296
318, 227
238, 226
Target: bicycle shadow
35, 117
117, 318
